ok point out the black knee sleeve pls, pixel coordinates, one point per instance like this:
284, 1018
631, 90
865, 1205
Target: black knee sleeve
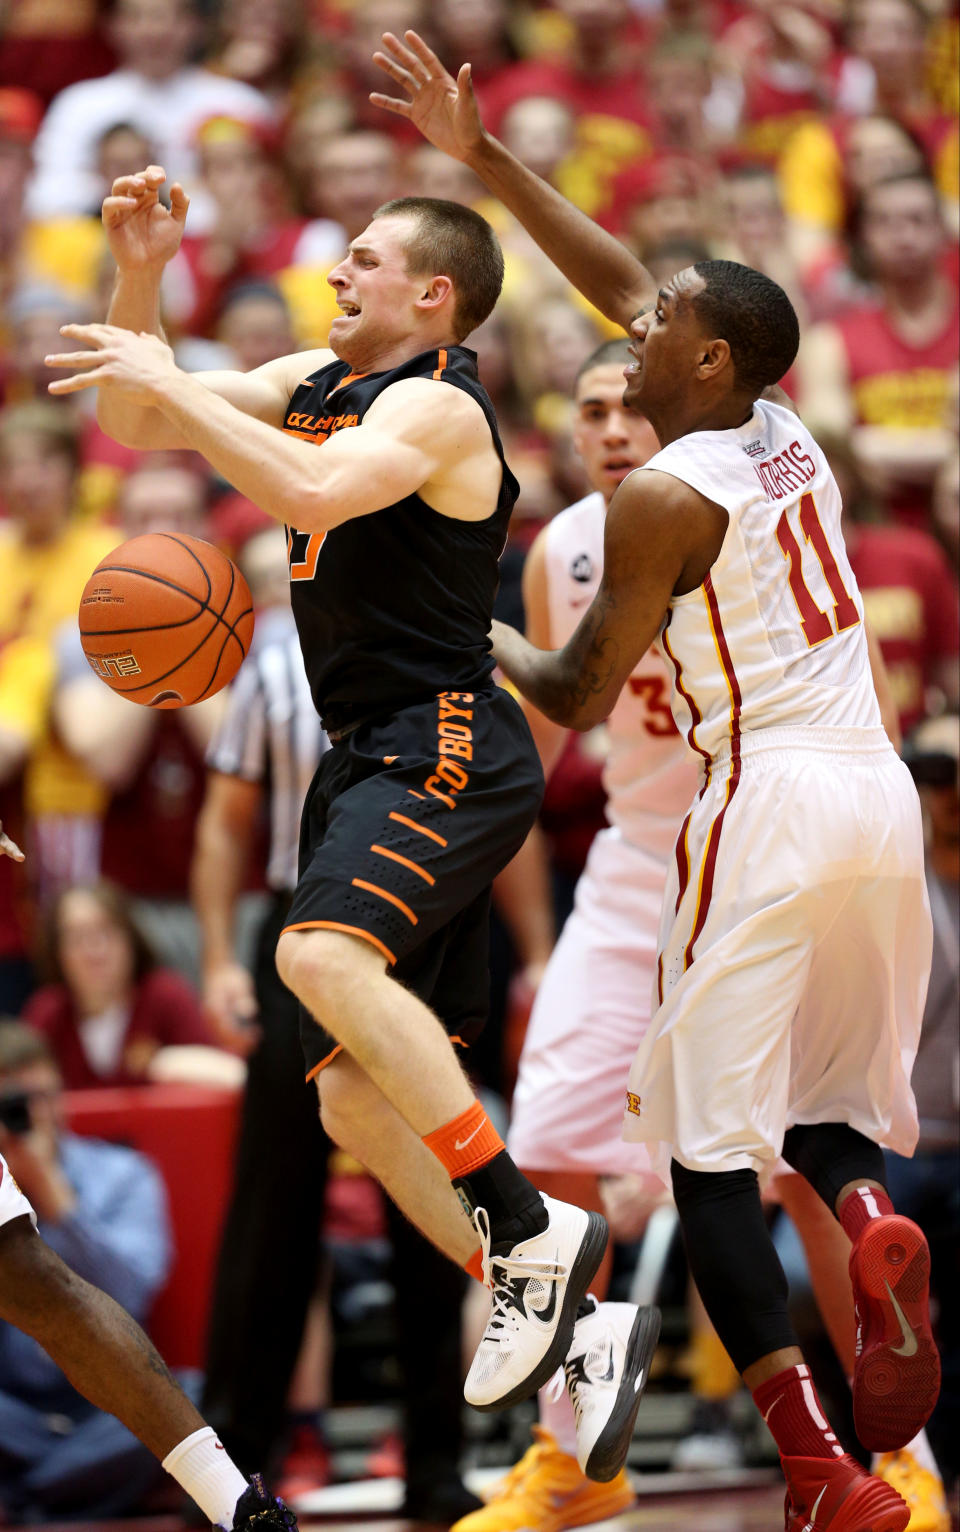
733, 1261
830, 1155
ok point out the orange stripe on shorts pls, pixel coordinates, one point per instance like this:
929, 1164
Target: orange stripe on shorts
412, 825
384, 893
404, 862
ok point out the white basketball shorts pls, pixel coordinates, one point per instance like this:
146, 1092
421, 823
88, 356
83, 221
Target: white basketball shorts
591, 1011
794, 956
13, 1204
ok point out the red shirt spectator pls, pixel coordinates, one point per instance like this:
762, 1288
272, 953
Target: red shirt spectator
109, 1008
910, 597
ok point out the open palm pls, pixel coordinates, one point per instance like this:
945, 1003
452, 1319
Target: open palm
443, 108
141, 232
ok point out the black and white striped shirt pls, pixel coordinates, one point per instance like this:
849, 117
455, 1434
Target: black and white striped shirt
271, 733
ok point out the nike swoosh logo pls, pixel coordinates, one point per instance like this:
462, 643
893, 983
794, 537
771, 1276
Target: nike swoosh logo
910, 1345
816, 1505
772, 1408
607, 1377
546, 1315
469, 1139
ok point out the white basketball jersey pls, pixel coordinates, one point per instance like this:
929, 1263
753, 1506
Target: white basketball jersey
649, 775
774, 636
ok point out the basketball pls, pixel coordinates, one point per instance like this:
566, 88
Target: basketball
166, 619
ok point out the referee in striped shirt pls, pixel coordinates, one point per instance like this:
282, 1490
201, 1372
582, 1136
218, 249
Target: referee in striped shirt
270, 742
264, 755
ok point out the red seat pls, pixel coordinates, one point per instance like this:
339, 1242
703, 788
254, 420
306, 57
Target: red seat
189, 1132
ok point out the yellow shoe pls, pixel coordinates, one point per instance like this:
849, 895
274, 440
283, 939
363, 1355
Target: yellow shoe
546, 1492
921, 1489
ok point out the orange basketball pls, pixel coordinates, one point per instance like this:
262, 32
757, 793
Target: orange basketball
166, 619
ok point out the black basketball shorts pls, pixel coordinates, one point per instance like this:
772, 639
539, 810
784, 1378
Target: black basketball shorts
405, 826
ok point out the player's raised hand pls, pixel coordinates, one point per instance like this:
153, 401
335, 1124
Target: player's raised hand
443, 108
141, 232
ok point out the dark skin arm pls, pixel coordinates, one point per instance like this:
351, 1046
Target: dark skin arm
661, 539
445, 111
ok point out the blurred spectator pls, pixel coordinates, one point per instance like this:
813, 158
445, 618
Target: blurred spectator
252, 234
540, 131
348, 177
156, 88
108, 1007
664, 198
759, 230
255, 325
150, 761
20, 113
261, 42
550, 342
786, 60
52, 45
35, 312
427, 172
102, 1208
909, 594
598, 78
884, 76
883, 371
358, 75
47, 557
478, 30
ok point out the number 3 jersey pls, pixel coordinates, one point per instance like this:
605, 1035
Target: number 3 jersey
774, 636
394, 607
650, 774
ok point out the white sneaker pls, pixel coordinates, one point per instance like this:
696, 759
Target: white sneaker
606, 1370
537, 1287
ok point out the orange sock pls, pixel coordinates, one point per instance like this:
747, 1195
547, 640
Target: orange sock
466, 1143
474, 1267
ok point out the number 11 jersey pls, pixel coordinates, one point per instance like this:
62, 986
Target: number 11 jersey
774, 636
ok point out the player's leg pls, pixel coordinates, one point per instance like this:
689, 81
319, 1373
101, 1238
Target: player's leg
714, 1081
396, 865
912, 1471
590, 1010
827, 1249
360, 1119
108, 1359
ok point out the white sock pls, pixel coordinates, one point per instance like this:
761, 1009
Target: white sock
201, 1466
921, 1450
556, 1416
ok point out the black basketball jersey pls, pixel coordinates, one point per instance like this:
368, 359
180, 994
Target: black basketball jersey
393, 607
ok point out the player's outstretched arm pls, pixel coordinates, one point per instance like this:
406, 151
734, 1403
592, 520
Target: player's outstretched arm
412, 440
445, 111
660, 539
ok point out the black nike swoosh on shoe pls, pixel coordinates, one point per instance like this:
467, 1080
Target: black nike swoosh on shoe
546, 1315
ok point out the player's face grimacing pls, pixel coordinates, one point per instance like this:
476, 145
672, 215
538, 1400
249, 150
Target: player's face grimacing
376, 293
665, 340
611, 439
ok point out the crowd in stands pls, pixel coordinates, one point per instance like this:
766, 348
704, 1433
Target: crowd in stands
814, 139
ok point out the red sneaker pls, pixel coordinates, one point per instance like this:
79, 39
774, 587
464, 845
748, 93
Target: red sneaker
896, 1377
837, 1495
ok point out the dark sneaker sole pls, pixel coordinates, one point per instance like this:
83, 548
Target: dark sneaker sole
584, 1269
612, 1445
896, 1378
